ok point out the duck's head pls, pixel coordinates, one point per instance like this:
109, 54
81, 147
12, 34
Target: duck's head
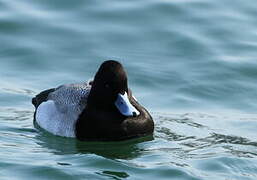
110, 89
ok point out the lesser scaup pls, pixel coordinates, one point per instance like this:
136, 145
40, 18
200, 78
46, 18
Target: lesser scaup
102, 110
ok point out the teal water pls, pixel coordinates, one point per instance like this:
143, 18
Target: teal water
192, 63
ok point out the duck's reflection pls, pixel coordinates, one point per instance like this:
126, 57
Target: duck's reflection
121, 150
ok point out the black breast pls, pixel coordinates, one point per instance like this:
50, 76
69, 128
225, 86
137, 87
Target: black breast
109, 125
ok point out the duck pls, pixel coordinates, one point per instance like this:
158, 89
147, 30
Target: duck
102, 110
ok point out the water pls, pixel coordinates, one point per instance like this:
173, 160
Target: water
192, 63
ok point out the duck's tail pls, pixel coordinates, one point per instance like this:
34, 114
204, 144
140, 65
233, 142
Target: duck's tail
41, 97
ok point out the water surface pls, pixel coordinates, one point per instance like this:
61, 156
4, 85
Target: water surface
191, 63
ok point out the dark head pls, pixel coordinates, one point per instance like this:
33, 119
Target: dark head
110, 89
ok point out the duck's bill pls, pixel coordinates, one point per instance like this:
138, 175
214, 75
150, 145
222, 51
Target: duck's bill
124, 106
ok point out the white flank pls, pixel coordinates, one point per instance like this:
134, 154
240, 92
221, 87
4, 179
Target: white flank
50, 118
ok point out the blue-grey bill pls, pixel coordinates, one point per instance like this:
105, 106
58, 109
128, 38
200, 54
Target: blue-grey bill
124, 106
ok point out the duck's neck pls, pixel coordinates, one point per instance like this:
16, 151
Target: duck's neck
96, 101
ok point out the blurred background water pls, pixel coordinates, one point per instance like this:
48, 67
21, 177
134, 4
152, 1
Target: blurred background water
192, 63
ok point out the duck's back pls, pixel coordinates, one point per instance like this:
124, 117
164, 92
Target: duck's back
58, 109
